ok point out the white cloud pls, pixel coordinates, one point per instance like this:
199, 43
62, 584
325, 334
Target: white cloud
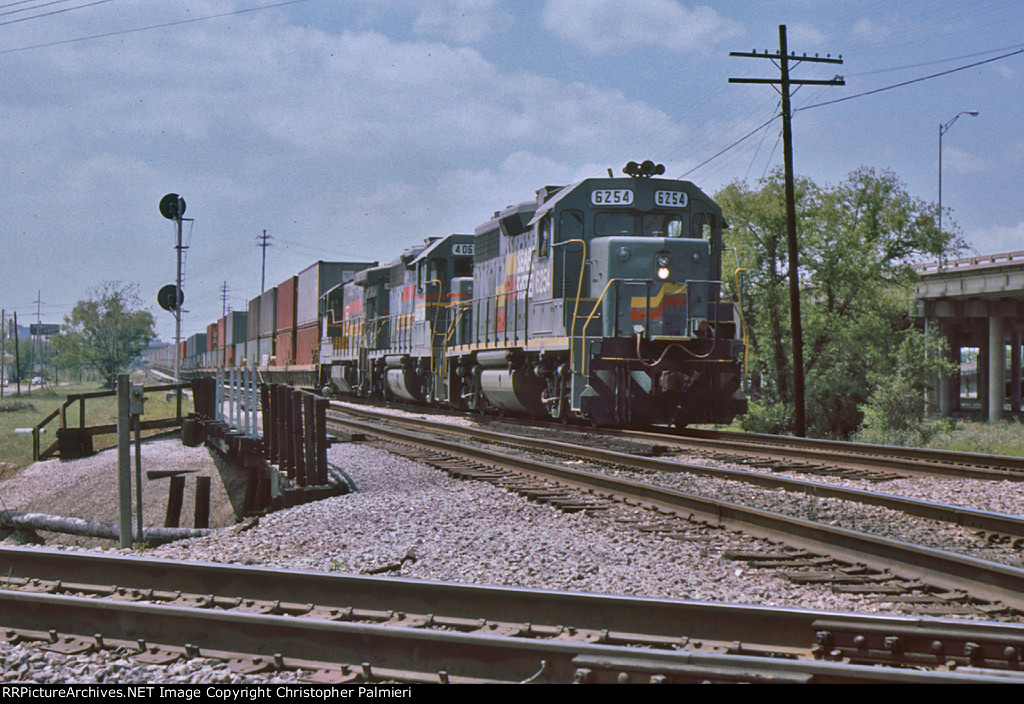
462, 21
960, 161
998, 239
871, 30
608, 26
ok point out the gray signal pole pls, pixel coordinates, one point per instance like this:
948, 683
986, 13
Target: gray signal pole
172, 207
782, 60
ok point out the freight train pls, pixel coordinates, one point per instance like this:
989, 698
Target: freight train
598, 301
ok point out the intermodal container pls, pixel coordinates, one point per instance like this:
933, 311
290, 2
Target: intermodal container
307, 344
318, 279
286, 304
265, 351
268, 313
236, 324
284, 348
252, 320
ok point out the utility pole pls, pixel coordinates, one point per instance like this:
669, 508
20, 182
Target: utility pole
36, 346
782, 59
3, 349
17, 353
263, 242
224, 299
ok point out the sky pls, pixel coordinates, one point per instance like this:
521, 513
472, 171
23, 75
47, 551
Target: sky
349, 130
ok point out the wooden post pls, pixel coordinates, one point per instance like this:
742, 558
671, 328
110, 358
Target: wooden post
298, 439
320, 431
175, 498
124, 460
309, 438
202, 502
265, 420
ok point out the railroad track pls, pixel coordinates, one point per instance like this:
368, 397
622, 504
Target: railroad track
996, 526
936, 579
781, 453
777, 453
336, 628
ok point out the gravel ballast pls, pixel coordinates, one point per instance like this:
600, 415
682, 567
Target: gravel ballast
441, 528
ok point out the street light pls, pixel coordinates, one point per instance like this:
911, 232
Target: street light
943, 128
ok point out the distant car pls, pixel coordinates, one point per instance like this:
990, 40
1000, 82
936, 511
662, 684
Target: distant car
37, 380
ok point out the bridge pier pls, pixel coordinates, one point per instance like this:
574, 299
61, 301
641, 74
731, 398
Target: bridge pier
996, 369
978, 303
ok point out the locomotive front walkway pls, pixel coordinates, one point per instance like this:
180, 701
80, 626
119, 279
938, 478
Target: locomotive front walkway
977, 302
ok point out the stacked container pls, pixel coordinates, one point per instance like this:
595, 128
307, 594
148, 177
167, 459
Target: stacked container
313, 283
234, 335
210, 360
252, 333
285, 325
267, 327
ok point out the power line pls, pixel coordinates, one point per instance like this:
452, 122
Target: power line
47, 14
851, 97
739, 141
933, 63
912, 81
154, 26
25, 2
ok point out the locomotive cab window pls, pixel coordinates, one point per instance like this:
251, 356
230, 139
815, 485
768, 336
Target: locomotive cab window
462, 266
662, 225
612, 224
544, 237
570, 225
705, 226
438, 270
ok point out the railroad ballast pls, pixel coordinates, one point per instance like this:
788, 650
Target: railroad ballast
600, 301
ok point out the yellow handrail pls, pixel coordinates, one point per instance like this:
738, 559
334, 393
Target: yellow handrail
579, 292
586, 323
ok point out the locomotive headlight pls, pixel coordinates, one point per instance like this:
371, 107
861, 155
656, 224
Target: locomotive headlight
661, 261
624, 254
695, 257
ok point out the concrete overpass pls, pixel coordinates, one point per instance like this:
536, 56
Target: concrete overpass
978, 302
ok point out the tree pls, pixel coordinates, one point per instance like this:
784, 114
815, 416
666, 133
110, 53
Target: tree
857, 242
108, 331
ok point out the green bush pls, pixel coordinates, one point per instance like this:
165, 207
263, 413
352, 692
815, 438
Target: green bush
764, 416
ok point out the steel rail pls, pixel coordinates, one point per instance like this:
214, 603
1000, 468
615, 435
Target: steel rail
948, 462
811, 637
848, 454
981, 578
992, 522
453, 656
842, 454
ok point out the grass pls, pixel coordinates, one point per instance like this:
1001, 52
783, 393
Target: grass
27, 409
1004, 438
